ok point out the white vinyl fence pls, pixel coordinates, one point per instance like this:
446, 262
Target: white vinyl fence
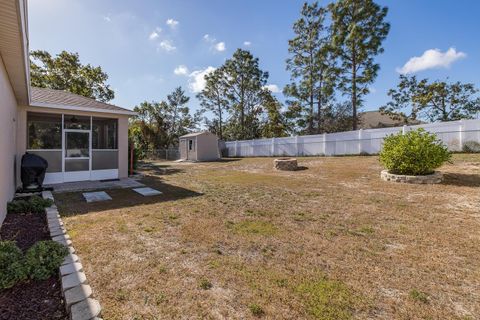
455, 134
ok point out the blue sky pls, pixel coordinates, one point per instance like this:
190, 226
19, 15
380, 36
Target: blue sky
150, 47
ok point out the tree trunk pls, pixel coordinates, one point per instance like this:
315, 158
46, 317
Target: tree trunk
220, 132
319, 106
354, 94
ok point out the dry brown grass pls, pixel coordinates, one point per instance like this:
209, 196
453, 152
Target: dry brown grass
239, 240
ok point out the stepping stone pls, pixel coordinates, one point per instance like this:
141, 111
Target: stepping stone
147, 191
96, 196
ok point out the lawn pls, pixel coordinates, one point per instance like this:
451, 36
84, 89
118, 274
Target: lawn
238, 240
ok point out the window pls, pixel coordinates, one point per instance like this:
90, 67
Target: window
76, 122
44, 130
104, 133
191, 145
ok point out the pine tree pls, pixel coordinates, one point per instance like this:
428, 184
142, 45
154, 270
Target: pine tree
214, 98
312, 67
245, 84
359, 29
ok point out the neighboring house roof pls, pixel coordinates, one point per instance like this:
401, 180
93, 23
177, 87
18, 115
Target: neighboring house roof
375, 119
14, 46
50, 98
195, 134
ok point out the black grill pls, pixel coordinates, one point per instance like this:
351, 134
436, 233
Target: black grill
33, 170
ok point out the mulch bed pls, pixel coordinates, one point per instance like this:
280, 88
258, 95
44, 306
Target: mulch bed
33, 299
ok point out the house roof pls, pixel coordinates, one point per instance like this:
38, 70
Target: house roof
14, 46
375, 119
50, 98
195, 134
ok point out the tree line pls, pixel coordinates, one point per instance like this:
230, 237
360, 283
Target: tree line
331, 62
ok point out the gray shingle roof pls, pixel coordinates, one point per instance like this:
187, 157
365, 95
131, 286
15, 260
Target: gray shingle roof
58, 98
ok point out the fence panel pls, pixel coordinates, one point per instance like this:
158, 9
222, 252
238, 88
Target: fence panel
163, 154
455, 134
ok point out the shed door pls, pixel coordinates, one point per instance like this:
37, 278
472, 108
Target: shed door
191, 149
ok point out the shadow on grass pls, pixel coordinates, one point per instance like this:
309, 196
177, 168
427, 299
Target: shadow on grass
73, 203
159, 169
461, 179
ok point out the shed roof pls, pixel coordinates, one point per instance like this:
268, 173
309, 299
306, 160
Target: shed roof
51, 98
195, 134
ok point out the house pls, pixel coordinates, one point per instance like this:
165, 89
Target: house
199, 146
81, 138
376, 119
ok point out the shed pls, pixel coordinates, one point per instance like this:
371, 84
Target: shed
199, 146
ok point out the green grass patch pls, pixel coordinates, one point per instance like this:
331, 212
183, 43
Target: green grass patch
255, 227
205, 284
419, 296
327, 299
256, 310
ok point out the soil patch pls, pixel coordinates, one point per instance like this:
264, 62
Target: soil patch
33, 299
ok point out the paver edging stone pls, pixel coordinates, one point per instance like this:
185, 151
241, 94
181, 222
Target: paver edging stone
436, 177
78, 294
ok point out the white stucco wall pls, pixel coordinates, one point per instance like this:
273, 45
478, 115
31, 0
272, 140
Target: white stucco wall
8, 111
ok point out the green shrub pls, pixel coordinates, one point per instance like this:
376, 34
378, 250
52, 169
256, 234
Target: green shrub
44, 258
471, 147
414, 153
12, 269
34, 204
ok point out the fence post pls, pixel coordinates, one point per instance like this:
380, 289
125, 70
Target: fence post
324, 144
296, 146
272, 148
461, 134
404, 129
360, 140
236, 148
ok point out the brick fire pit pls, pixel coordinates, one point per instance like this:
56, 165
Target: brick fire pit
286, 164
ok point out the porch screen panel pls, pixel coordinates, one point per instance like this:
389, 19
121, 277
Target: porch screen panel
44, 131
77, 165
53, 157
104, 159
104, 143
44, 138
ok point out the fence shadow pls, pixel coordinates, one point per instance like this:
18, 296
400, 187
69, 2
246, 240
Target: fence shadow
461, 179
73, 203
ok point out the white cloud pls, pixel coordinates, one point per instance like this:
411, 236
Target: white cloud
220, 46
209, 38
107, 18
247, 43
172, 23
197, 79
272, 87
155, 33
431, 59
167, 45
181, 70
215, 45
